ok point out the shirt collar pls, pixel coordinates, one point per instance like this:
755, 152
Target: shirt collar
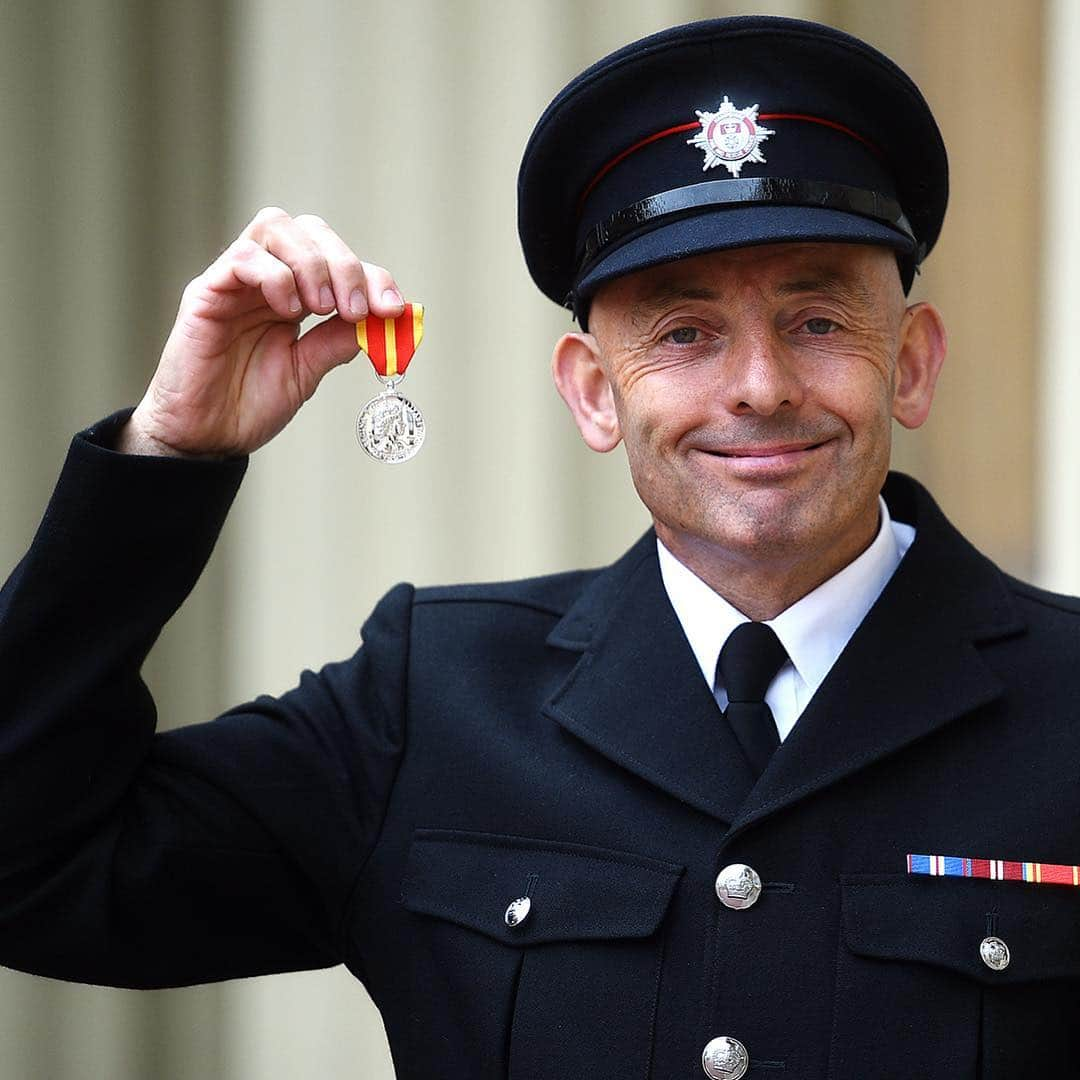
815, 629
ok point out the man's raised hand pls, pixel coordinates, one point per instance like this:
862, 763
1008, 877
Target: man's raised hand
234, 371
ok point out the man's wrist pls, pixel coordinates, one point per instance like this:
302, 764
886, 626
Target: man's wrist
133, 439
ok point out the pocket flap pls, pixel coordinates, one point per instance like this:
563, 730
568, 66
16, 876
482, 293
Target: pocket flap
577, 892
942, 921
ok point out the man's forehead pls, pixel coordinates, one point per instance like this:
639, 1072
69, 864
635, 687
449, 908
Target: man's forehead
777, 270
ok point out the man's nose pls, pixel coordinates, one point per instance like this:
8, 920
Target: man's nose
758, 376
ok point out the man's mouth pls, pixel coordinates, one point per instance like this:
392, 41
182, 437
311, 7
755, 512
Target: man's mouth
766, 451
765, 460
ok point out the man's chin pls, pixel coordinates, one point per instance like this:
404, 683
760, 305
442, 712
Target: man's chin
747, 517
759, 529
760, 542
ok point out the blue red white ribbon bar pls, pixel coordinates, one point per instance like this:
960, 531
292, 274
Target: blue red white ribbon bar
995, 869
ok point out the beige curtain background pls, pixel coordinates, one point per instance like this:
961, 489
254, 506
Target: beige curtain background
137, 138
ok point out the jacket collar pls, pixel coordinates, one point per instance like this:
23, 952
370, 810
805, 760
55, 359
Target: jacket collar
637, 695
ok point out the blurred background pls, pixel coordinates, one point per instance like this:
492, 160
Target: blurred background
137, 138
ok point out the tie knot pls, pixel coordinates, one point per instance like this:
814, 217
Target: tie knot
749, 660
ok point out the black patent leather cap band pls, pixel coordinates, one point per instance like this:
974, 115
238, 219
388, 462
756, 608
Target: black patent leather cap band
686, 201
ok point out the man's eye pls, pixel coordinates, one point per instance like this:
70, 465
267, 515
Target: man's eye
684, 335
819, 326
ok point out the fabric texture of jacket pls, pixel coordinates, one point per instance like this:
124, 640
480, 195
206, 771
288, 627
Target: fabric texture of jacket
550, 738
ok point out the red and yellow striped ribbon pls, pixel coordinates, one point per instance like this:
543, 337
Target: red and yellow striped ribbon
391, 343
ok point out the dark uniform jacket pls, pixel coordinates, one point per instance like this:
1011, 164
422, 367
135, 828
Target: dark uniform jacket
550, 738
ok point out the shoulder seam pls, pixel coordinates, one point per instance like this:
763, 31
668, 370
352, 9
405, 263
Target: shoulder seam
1044, 598
418, 601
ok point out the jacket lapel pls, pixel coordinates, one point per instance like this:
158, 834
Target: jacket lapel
910, 668
637, 695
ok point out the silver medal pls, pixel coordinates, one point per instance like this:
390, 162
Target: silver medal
390, 427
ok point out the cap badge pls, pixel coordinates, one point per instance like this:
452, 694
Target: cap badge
730, 137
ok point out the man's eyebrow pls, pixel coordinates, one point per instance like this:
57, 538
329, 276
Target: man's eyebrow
833, 283
669, 293
840, 286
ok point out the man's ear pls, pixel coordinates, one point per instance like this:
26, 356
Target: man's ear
918, 363
583, 385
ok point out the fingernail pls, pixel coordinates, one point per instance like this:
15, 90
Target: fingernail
358, 303
392, 298
294, 304
326, 296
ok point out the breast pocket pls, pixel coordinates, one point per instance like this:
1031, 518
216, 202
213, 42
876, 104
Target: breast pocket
562, 985
918, 992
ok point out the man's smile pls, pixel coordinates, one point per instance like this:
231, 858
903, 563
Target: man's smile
764, 459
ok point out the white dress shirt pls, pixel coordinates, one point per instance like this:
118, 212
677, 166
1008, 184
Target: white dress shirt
814, 630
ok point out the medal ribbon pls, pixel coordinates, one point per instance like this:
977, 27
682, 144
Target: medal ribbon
391, 343
1036, 873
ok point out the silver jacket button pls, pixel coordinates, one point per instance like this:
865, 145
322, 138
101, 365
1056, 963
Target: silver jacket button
994, 953
518, 911
738, 886
725, 1058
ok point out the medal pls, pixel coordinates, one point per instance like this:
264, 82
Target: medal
390, 427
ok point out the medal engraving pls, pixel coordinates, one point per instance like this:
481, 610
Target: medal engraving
390, 428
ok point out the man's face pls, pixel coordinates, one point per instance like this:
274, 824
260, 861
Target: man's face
754, 390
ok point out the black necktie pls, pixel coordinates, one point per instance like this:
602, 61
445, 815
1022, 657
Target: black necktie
748, 662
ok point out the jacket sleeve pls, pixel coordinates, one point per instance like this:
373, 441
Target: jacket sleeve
207, 852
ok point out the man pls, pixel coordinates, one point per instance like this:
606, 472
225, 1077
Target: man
685, 814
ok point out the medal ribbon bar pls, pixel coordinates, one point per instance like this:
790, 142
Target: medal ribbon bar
1035, 873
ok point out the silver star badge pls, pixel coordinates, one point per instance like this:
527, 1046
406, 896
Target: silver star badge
730, 137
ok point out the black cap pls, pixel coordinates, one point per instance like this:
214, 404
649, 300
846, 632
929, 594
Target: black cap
728, 133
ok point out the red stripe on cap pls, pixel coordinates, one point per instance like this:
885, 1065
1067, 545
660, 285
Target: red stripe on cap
682, 128
630, 150
824, 123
